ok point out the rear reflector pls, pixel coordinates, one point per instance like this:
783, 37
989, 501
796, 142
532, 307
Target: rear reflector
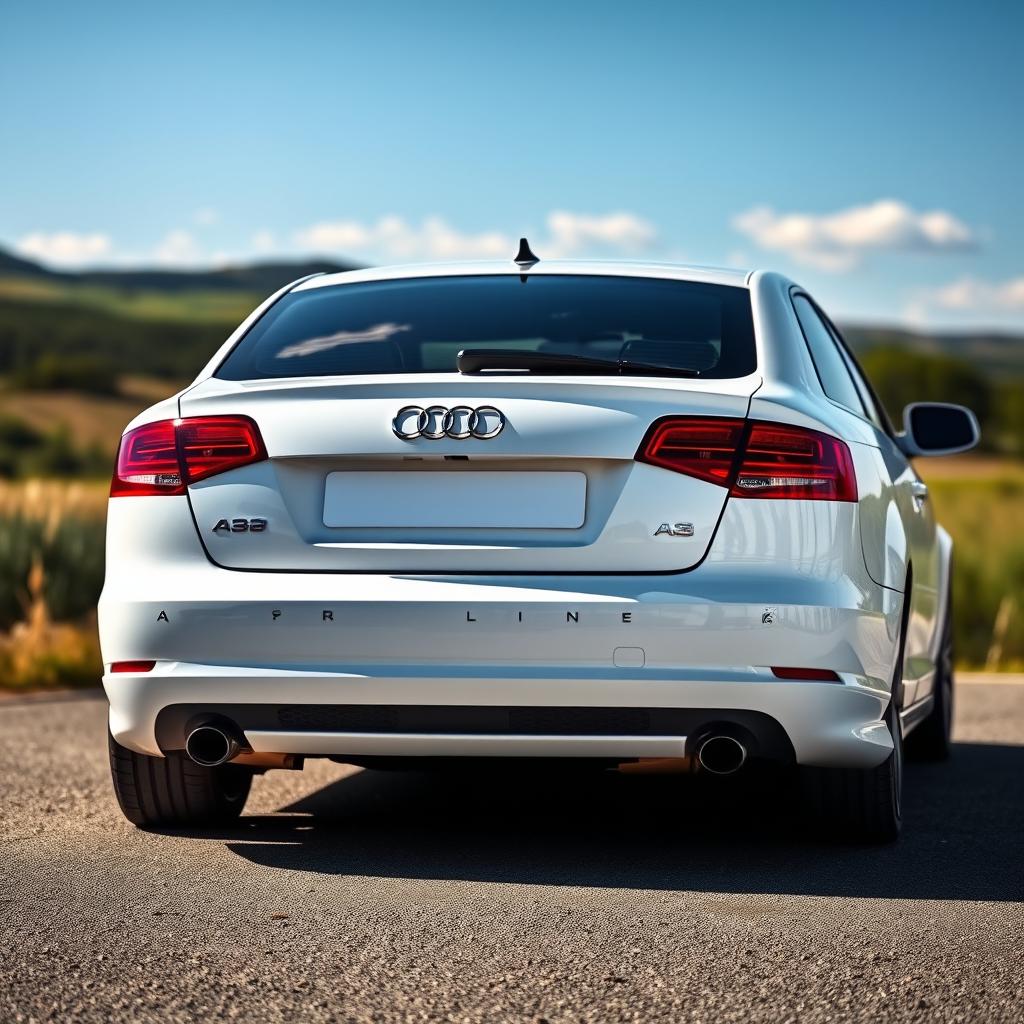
754, 459
823, 675
132, 666
166, 456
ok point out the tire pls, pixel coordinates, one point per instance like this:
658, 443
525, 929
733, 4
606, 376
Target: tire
863, 805
932, 739
172, 790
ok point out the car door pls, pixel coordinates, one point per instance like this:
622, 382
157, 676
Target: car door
918, 515
845, 384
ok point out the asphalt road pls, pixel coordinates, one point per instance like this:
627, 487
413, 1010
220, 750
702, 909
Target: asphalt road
358, 896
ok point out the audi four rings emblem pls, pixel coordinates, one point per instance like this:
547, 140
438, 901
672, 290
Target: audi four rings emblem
437, 421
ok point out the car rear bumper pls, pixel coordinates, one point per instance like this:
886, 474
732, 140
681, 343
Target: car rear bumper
311, 713
703, 641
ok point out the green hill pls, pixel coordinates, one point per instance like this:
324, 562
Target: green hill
84, 332
992, 352
187, 312
151, 322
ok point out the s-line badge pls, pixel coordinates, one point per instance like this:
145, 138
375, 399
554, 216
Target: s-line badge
240, 526
674, 530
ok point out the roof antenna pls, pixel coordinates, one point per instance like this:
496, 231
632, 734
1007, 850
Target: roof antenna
525, 256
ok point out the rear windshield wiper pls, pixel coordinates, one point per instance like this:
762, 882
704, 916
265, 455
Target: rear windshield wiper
476, 360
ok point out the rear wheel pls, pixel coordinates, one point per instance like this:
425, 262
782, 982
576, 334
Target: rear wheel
859, 804
932, 739
172, 790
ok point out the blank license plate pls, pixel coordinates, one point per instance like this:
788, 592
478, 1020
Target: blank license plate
462, 500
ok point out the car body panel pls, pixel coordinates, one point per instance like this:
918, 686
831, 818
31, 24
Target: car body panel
616, 616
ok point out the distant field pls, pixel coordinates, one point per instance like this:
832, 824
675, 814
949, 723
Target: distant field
980, 500
91, 419
195, 306
970, 467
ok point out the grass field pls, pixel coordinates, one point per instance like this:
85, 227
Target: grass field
51, 570
190, 306
981, 503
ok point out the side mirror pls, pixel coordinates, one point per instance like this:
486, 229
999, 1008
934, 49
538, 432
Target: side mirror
936, 428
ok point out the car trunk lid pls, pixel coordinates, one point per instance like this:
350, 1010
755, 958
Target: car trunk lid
556, 490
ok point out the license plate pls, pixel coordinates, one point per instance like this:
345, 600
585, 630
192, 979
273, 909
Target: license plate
458, 500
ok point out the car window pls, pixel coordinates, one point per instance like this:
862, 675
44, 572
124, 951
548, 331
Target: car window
419, 325
835, 378
867, 396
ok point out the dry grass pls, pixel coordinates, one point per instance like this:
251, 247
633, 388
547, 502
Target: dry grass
971, 467
39, 653
45, 520
53, 501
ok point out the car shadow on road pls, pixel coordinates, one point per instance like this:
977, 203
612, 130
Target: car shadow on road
963, 837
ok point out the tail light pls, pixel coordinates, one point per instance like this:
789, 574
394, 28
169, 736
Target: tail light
166, 456
705, 449
754, 459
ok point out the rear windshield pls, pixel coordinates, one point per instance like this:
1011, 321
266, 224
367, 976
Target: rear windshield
419, 325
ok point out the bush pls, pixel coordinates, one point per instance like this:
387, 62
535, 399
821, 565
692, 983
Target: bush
26, 452
94, 374
16, 438
1010, 416
70, 551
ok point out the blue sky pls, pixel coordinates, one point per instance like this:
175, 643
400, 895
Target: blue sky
873, 151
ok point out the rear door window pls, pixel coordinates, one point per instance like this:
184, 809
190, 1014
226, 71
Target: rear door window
835, 378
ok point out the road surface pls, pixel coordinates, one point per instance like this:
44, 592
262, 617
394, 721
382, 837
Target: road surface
358, 896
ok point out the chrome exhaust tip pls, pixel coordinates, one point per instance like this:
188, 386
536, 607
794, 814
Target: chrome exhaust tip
721, 755
210, 745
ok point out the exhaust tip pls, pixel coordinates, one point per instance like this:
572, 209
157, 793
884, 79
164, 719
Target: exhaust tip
209, 746
721, 755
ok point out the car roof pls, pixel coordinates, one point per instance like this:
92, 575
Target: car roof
597, 268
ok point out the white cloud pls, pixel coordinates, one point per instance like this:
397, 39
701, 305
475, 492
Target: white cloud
838, 241
973, 295
64, 248
390, 239
394, 238
263, 242
206, 216
178, 248
969, 301
574, 233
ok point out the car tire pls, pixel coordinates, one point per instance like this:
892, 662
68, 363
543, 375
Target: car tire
932, 739
172, 790
863, 805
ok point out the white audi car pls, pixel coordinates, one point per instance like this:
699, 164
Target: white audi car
636, 514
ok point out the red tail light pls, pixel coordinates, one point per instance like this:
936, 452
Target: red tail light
705, 449
755, 459
165, 457
782, 461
